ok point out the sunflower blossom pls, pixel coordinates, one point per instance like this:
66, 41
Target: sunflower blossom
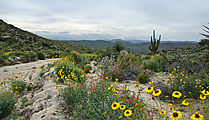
156, 92
197, 116
176, 115
176, 94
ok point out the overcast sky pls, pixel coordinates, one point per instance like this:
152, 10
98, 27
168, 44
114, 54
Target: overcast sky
108, 19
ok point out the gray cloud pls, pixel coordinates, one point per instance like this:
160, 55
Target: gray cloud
96, 19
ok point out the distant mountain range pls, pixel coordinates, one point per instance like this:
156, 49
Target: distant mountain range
131, 45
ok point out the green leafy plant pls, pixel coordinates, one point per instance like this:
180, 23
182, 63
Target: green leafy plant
7, 103
143, 78
154, 43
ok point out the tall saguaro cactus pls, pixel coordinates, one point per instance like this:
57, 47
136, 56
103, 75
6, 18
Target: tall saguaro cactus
154, 43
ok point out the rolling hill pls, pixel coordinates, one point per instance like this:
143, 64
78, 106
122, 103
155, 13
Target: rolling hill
18, 45
133, 47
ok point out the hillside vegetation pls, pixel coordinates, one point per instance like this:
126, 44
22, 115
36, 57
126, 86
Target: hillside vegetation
17, 45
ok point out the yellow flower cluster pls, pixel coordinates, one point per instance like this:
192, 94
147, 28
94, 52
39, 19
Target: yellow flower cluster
122, 107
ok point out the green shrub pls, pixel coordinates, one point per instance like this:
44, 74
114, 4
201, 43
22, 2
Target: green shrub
143, 78
73, 94
18, 86
155, 63
29, 57
42, 73
41, 56
7, 103
3, 58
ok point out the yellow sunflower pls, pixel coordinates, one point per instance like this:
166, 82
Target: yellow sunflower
149, 89
128, 113
197, 116
171, 109
162, 112
169, 105
202, 97
136, 85
113, 89
122, 107
116, 92
176, 115
185, 102
204, 92
115, 105
176, 94
156, 92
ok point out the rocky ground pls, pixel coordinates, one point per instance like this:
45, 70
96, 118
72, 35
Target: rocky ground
43, 101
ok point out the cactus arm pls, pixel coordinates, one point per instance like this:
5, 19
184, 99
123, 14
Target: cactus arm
158, 42
154, 39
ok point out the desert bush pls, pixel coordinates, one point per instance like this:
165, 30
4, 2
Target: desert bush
155, 63
66, 70
143, 77
122, 69
41, 56
18, 86
7, 103
29, 57
77, 59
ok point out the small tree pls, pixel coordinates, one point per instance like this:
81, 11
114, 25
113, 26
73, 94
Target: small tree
118, 47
